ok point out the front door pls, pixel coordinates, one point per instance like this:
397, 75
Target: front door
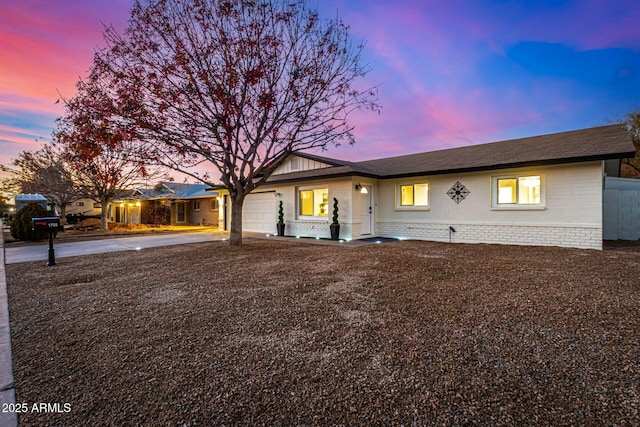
366, 209
180, 212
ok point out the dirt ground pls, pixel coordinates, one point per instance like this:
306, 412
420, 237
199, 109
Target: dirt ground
287, 333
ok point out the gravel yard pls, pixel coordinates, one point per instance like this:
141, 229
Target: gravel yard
288, 333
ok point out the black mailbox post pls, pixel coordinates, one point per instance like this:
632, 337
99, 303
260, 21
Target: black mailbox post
51, 225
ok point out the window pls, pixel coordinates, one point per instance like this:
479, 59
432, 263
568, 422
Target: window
313, 202
79, 203
518, 191
293, 164
196, 205
413, 196
215, 204
97, 205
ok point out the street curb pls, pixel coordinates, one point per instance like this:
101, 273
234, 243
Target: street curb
7, 393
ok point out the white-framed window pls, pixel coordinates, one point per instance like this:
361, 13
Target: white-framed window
79, 203
293, 164
313, 202
412, 196
196, 205
215, 205
520, 191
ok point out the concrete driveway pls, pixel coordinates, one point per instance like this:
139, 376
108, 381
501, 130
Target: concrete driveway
41, 252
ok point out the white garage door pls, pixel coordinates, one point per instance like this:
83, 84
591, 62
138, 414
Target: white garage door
259, 212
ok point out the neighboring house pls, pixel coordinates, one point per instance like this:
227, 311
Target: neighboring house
543, 190
24, 199
169, 203
84, 207
192, 204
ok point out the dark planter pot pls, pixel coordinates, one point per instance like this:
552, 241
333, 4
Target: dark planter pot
280, 229
335, 232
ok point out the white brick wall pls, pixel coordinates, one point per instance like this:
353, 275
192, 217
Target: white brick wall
571, 215
316, 229
543, 235
340, 188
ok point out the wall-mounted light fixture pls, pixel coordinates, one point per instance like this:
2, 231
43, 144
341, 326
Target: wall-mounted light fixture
361, 188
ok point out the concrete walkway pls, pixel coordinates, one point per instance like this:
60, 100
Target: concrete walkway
62, 250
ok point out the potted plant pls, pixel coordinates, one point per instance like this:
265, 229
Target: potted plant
280, 224
335, 226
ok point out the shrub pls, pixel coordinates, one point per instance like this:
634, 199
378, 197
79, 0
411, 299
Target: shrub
159, 214
280, 214
335, 212
21, 225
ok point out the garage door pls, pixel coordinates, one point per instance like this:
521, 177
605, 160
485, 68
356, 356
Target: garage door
259, 212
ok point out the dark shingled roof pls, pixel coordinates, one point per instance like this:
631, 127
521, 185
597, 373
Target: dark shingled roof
599, 143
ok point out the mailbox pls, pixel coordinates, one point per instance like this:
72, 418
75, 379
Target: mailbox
51, 224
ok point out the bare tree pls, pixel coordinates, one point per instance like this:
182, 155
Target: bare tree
632, 165
233, 84
44, 171
97, 149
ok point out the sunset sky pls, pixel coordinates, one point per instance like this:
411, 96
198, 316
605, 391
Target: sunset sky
451, 72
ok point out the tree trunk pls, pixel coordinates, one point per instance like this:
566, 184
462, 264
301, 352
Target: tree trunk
104, 221
63, 211
235, 236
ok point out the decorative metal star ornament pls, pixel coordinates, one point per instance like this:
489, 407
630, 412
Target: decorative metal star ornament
458, 192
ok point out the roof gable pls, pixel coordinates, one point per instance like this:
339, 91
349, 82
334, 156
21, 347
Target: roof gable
300, 162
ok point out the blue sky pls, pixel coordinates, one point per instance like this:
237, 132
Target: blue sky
451, 73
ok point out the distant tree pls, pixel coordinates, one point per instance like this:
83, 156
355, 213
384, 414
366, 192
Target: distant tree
21, 224
97, 149
45, 172
631, 167
234, 84
159, 213
4, 206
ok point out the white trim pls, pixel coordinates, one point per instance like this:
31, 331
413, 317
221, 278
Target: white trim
301, 217
292, 163
517, 206
372, 204
398, 207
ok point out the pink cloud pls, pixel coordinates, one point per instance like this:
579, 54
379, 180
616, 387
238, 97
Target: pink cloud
14, 140
427, 54
17, 104
42, 55
46, 47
